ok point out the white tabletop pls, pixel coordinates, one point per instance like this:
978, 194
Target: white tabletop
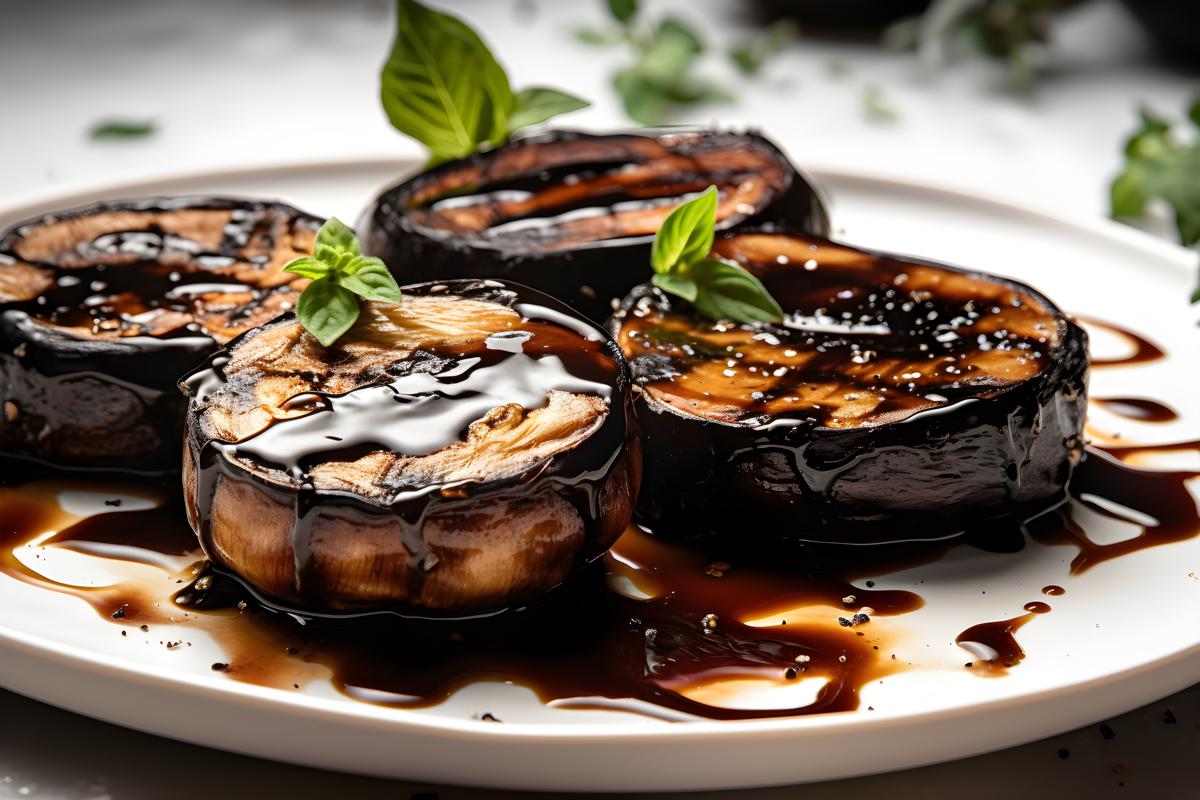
231, 83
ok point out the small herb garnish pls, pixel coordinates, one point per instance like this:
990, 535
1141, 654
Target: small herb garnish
1004, 30
1158, 165
682, 267
121, 129
876, 106
442, 86
340, 275
661, 76
750, 55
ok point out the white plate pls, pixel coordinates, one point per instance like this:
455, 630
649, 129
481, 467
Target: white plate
1124, 634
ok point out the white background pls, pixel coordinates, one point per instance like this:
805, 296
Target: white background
252, 83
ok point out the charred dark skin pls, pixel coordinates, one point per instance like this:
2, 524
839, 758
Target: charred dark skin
900, 399
455, 454
102, 308
574, 214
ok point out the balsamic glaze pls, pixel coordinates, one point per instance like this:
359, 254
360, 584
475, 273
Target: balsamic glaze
897, 398
1143, 350
102, 308
994, 645
591, 639
1141, 409
574, 214
866, 338
559, 190
593, 643
1160, 496
421, 533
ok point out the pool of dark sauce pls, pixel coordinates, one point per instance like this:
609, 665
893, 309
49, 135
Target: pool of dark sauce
1141, 349
1139, 409
995, 645
592, 643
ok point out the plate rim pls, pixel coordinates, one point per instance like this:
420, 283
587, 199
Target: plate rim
1182, 257
1165, 673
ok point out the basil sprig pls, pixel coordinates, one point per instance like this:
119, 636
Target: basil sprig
682, 267
340, 275
1161, 164
442, 86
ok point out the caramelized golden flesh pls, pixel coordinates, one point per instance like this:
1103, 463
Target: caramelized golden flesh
867, 339
448, 454
570, 192
171, 270
272, 374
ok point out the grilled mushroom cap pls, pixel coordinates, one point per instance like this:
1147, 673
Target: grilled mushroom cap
898, 399
574, 214
460, 451
103, 308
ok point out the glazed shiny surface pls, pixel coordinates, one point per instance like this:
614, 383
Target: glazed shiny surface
461, 450
866, 340
104, 307
895, 391
681, 629
573, 214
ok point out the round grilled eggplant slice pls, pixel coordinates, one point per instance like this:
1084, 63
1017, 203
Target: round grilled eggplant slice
899, 399
103, 308
459, 452
574, 214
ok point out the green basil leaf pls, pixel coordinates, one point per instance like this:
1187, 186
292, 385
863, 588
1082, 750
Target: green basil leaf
596, 38
369, 278
538, 104
678, 285
643, 102
662, 75
442, 86
327, 310
1160, 166
336, 234
1152, 139
623, 11
876, 106
686, 235
307, 267
670, 53
747, 58
1127, 196
726, 291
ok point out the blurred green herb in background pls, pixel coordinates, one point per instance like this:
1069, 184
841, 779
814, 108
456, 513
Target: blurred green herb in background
1160, 164
750, 55
1004, 30
876, 105
662, 75
121, 129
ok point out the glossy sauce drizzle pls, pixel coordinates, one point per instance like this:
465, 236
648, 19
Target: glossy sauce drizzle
1143, 351
673, 627
655, 622
1141, 409
994, 645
